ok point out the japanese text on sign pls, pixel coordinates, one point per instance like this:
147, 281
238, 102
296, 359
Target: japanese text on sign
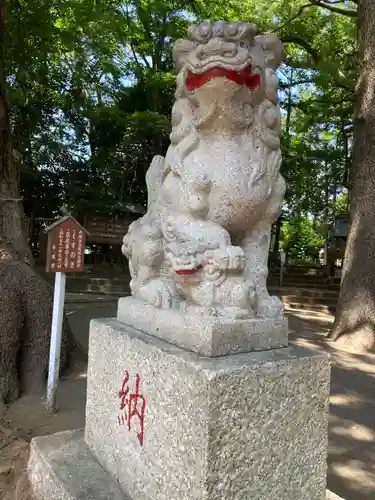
133, 406
66, 248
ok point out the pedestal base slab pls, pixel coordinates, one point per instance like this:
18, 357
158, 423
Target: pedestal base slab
206, 335
62, 467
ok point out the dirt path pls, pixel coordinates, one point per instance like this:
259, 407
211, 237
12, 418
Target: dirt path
14, 453
28, 418
351, 454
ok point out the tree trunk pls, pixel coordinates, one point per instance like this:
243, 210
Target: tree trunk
25, 299
354, 326
13, 243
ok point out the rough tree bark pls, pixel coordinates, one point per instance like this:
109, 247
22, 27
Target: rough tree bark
25, 298
354, 326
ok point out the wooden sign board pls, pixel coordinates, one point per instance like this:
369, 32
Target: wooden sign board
110, 230
66, 246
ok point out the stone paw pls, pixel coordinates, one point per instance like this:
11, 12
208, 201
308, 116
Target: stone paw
157, 293
236, 258
270, 307
154, 292
236, 313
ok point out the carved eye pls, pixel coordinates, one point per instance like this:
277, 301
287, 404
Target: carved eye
243, 44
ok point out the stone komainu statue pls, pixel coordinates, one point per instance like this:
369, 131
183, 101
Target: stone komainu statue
203, 244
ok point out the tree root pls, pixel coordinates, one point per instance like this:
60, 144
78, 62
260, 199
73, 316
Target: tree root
25, 330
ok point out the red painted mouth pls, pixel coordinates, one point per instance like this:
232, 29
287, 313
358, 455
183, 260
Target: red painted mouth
243, 77
188, 272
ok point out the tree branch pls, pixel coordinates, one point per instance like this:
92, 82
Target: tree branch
292, 84
125, 11
301, 64
134, 54
332, 8
300, 10
344, 86
304, 44
304, 105
330, 5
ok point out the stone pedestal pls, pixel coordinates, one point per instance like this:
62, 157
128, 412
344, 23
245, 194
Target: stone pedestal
246, 426
168, 424
163, 423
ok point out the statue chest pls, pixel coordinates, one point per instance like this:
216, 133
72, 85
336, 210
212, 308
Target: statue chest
239, 184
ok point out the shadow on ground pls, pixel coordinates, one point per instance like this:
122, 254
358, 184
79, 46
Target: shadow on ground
80, 314
29, 413
351, 459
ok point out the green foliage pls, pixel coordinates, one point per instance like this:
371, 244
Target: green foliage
91, 87
301, 239
341, 205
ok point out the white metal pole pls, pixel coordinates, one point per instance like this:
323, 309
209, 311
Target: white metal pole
281, 273
55, 347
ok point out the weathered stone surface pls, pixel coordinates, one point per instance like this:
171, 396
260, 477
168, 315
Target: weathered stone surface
205, 238
62, 467
238, 427
205, 335
60, 472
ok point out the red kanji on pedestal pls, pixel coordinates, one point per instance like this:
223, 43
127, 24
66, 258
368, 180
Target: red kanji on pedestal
133, 404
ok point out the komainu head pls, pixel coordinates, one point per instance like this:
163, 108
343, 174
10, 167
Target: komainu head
228, 50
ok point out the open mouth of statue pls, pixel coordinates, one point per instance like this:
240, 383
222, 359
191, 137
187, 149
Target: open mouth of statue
188, 271
243, 77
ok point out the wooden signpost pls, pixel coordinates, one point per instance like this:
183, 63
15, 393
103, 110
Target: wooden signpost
65, 254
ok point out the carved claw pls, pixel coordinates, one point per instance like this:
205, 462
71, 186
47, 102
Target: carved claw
230, 258
126, 248
236, 258
212, 272
270, 307
156, 293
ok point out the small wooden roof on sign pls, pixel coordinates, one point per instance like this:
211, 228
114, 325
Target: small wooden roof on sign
64, 219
